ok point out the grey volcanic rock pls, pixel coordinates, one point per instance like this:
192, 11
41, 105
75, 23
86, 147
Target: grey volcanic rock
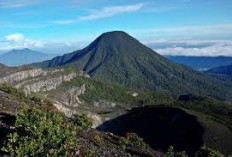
22, 75
71, 96
48, 84
38, 80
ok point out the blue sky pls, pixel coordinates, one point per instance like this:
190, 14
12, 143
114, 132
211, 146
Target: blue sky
178, 27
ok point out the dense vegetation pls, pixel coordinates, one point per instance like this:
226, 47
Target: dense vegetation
219, 110
116, 57
223, 77
82, 120
41, 132
223, 72
97, 90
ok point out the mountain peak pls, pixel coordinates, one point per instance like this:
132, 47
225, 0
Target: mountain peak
115, 33
26, 49
116, 40
117, 57
21, 50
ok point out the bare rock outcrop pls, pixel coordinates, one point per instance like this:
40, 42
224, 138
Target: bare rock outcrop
38, 80
70, 97
22, 75
48, 84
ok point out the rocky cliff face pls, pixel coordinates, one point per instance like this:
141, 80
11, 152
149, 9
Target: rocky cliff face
49, 83
38, 80
22, 75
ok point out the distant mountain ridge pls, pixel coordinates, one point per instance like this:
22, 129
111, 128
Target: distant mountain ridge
201, 63
23, 56
118, 58
222, 70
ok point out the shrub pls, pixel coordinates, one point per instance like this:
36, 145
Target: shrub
171, 153
15, 92
41, 132
35, 99
82, 121
181, 154
99, 140
87, 152
132, 141
209, 153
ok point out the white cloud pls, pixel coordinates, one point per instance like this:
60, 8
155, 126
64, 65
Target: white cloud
59, 47
104, 13
65, 22
196, 48
5, 4
217, 29
17, 37
18, 41
182, 41
111, 11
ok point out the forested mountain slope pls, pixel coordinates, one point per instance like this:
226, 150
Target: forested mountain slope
116, 57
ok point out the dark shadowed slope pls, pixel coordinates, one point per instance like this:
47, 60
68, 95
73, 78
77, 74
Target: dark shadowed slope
116, 57
160, 127
24, 56
192, 122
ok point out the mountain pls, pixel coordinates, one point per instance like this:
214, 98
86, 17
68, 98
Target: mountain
116, 109
113, 108
201, 62
116, 57
222, 70
24, 56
